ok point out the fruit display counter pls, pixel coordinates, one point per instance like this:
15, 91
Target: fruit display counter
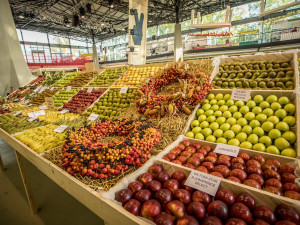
39, 99
63, 96
107, 77
63, 82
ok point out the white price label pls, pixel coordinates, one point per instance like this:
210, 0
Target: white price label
69, 88
29, 105
240, 94
89, 90
64, 111
31, 114
32, 119
224, 149
93, 117
43, 107
124, 90
203, 182
40, 113
61, 128
42, 89
37, 89
51, 89
17, 113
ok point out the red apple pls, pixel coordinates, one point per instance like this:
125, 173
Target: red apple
211, 220
241, 211
176, 151
189, 166
288, 178
291, 187
264, 213
226, 196
176, 209
252, 183
259, 158
133, 206
223, 162
234, 179
253, 170
209, 166
235, 221
286, 212
196, 209
186, 154
143, 195
186, 143
259, 222
155, 169
171, 185
257, 178
246, 199
178, 162
274, 183
275, 162
200, 196
240, 174
285, 222
171, 156
268, 166
200, 156
273, 190
145, 178
163, 196
253, 162
135, 186
164, 219
218, 209
196, 145
182, 195
123, 195
237, 166
166, 158
182, 159
203, 152
226, 157
163, 176
207, 148
244, 156
202, 169
213, 154
292, 195
237, 160
154, 185
151, 209
194, 161
268, 174
287, 168
222, 170
181, 147
191, 149
179, 176
211, 159
187, 220
217, 174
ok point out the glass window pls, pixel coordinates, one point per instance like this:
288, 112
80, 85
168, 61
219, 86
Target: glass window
33, 36
273, 4
19, 34
58, 40
165, 29
151, 31
216, 17
246, 11
77, 43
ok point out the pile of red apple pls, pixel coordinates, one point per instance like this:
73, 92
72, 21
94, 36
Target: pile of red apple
256, 172
81, 101
165, 200
37, 80
4, 111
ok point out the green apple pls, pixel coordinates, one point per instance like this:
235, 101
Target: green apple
273, 119
239, 103
268, 112
218, 133
273, 150
227, 97
283, 100
244, 109
218, 113
204, 124
231, 121
221, 140
282, 143
196, 130
230, 102
223, 108
206, 131
211, 119
236, 128
251, 104
264, 105
225, 126
195, 123
258, 99
233, 109
282, 126
280, 113
259, 147
219, 96
258, 131
211, 138
190, 134
200, 112
221, 102
253, 138
221, 120
290, 120
261, 117
266, 140
274, 134
289, 152
210, 96
214, 126
272, 98
199, 136
246, 144
229, 134
275, 106
256, 110
249, 116
254, 123
215, 107
237, 115
234, 142
213, 102
202, 118
290, 136
247, 129
242, 122
267, 126
206, 101
242, 137
206, 107
227, 114
209, 112
290, 108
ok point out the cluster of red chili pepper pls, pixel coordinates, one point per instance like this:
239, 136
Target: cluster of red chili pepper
84, 153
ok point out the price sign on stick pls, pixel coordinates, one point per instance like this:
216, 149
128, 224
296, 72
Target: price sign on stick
17, 113
224, 149
64, 111
32, 119
89, 90
61, 128
124, 90
240, 94
93, 117
203, 182
31, 114
69, 88
49, 103
43, 107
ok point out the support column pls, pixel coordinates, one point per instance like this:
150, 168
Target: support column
95, 57
138, 18
178, 50
14, 71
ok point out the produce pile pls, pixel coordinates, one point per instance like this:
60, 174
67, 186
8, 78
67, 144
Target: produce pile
37, 81
21, 94
113, 103
51, 79
260, 124
81, 101
40, 98
107, 78
63, 96
164, 199
82, 79
14, 93
66, 80
85, 153
56, 117
29, 110
4, 110
276, 75
14, 106
258, 172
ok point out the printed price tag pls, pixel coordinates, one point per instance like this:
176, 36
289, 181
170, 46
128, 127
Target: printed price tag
93, 117
224, 149
240, 94
124, 90
64, 111
69, 88
29, 105
17, 113
61, 128
43, 107
51, 89
37, 89
50, 103
40, 113
32, 119
89, 90
203, 182
31, 114
42, 89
